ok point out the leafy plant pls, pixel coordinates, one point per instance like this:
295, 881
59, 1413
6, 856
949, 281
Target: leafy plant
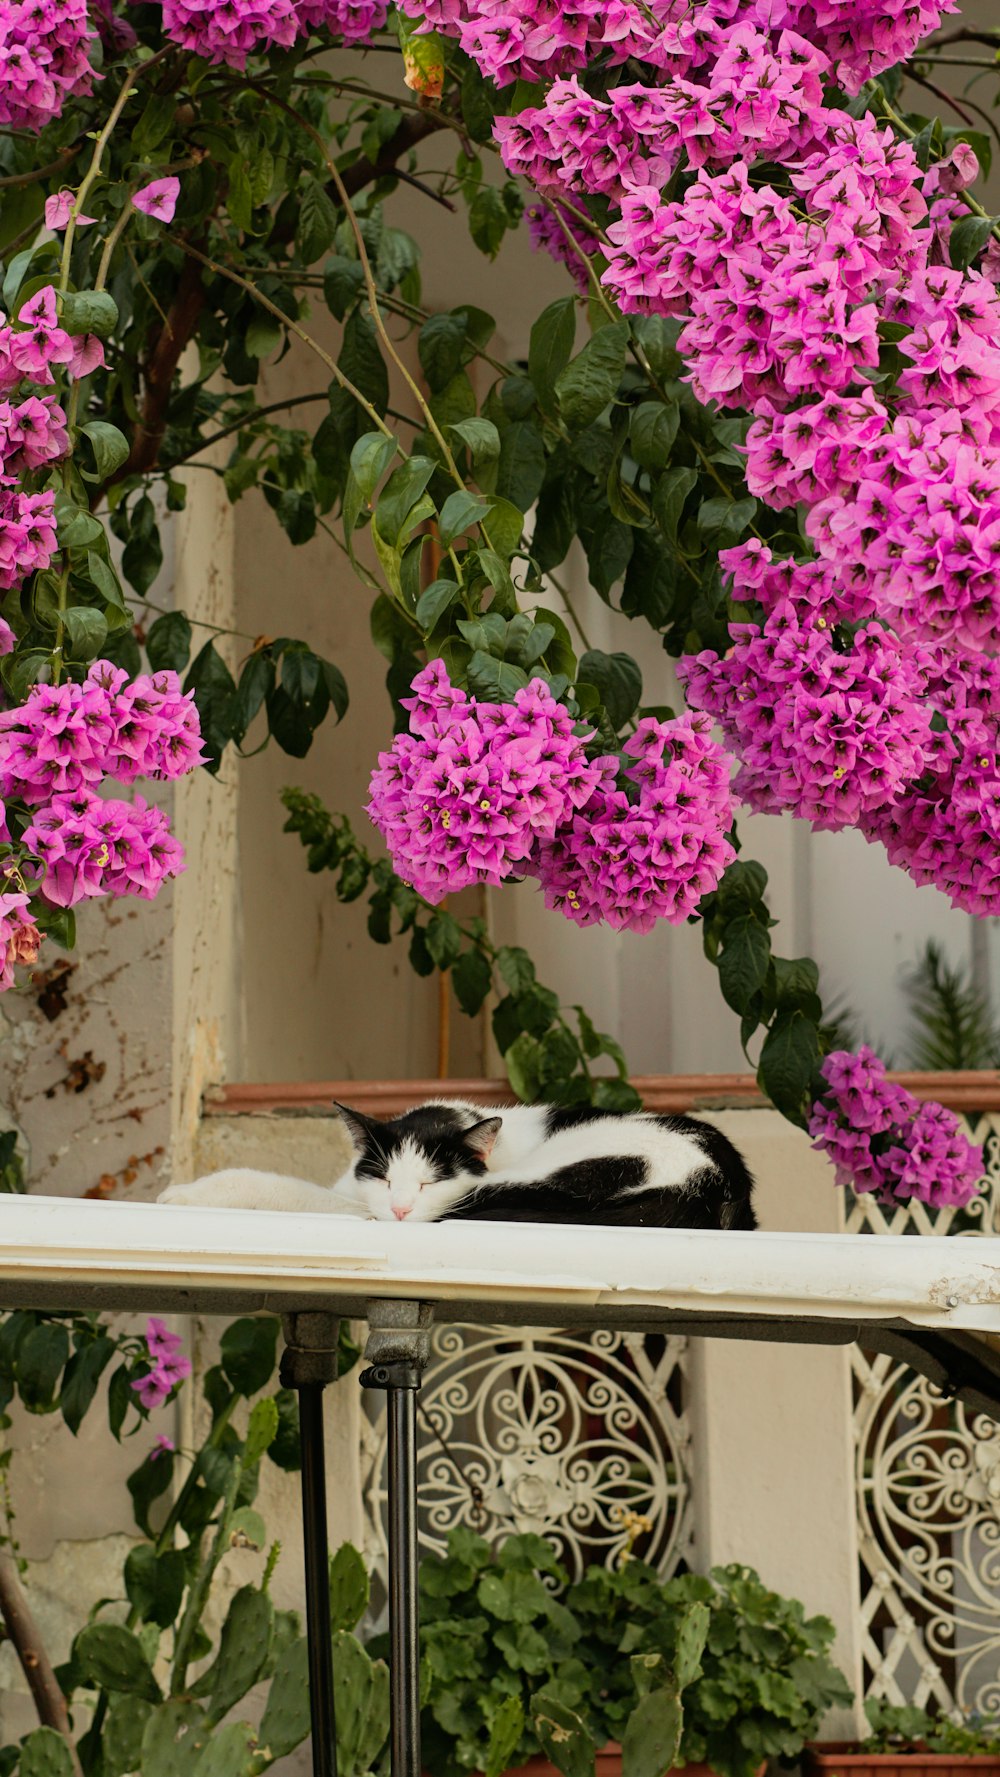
896, 1728
153, 1692
952, 1024
517, 1660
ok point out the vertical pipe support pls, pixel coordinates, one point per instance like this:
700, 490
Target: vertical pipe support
308, 1363
397, 1350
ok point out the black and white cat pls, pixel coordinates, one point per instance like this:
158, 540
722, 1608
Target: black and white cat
526, 1163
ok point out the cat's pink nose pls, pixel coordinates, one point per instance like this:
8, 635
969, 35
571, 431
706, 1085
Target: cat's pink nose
400, 1214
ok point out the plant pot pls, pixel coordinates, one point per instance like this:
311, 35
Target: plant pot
847, 1759
608, 1763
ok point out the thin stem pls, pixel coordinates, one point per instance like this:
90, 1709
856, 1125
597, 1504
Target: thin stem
293, 326
37, 174
965, 197
250, 419
32, 1654
98, 155
370, 286
571, 611
109, 246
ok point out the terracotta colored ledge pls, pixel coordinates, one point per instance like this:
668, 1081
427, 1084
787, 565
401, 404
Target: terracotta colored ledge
969, 1092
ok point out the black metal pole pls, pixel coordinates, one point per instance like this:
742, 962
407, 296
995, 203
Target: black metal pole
317, 1562
404, 1656
308, 1363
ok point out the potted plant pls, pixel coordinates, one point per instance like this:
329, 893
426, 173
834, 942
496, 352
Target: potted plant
907, 1742
621, 1673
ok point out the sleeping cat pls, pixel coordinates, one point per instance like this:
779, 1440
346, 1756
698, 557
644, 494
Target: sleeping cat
530, 1163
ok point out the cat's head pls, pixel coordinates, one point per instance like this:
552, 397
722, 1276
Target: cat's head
417, 1167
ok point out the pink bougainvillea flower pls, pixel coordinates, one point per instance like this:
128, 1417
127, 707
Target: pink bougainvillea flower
168, 1367
162, 1446
158, 199
59, 209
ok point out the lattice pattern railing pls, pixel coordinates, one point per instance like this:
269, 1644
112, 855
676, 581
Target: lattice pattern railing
927, 1491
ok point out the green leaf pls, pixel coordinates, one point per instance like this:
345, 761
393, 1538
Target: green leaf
214, 688
41, 1355
109, 449
488, 220
517, 971
669, 495
361, 360
523, 1062
44, 1753
652, 430
317, 222
550, 348
400, 496
434, 601
244, 1646
968, 238
744, 961
505, 523
471, 979
521, 467
153, 1477
618, 680
82, 1374
142, 556
495, 681
482, 439
248, 1351
88, 311
652, 1736
121, 1741
87, 630
506, 1729
168, 642
443, 937
788, 1059
343, 282
155, 1583
102, 576
230, 1753
172, 1739
593, 377
239, 195
111, 1657
441, 347
285, 1721
262, 1429
349, 1588
459, 513
692, 1634
565, 1738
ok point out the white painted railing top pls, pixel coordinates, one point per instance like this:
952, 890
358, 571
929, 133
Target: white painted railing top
64, 1252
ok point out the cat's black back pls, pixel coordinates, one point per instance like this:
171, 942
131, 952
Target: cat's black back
609, 1191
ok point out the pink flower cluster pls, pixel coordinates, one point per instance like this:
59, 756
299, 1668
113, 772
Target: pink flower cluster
539, 40
478, 792
230, 32
43, 59
69, 737
882, 1139
55, 751
842, 722
828, 714
631, 857
466, 796
168, 1367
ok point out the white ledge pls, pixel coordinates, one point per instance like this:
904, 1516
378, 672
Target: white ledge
62, 1253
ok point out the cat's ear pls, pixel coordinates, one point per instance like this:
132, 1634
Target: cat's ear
481, 1138
357, 1125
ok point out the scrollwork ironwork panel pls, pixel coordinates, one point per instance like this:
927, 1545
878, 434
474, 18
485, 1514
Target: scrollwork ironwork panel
581, 1438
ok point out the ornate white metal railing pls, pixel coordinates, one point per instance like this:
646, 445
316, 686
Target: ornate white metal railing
580, 1437
927, 1495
